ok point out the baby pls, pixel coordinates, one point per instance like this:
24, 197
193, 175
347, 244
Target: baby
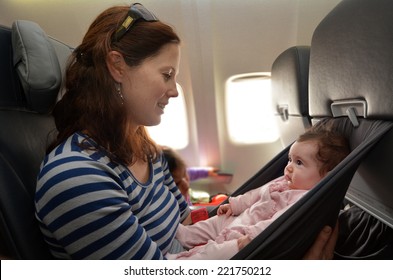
311, 157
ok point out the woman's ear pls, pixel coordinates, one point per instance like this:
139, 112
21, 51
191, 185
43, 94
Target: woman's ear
116, 65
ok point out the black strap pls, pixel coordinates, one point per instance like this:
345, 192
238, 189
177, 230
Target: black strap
290, 236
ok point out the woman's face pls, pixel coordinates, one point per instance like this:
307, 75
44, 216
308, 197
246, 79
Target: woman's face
148, 87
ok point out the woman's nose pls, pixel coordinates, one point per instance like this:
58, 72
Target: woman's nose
173, 92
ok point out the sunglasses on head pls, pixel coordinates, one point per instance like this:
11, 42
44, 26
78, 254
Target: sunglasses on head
136, 12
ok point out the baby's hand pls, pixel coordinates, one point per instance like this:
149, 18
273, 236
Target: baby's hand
224, 209
243, 241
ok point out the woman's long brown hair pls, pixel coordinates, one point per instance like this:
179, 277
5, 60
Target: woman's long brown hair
90, 102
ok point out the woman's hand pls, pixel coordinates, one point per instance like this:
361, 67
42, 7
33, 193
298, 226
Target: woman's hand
323, 247
188, 220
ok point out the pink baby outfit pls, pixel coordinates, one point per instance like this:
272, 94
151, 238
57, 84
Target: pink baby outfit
252, 213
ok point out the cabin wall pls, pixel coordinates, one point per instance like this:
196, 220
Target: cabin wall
221, 38
240, 37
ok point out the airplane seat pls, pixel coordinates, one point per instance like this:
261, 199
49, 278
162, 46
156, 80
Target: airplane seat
289, 78
30, 79
350, 90
351, 68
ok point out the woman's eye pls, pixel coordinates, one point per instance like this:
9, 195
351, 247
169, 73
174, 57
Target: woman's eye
167, 76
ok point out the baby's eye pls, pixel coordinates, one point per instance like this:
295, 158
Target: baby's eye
299, 162
289, 159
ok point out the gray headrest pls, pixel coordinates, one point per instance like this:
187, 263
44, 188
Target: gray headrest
351, 63
37, 65
289, 76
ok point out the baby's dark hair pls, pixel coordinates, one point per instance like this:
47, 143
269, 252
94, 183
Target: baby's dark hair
333, 147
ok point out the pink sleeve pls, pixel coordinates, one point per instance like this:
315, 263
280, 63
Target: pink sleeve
210, 251
242, 202
283, 202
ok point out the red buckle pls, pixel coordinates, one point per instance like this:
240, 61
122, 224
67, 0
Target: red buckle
199, 215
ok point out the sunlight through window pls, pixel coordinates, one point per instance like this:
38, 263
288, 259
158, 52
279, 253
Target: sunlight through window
250, 118
173, 129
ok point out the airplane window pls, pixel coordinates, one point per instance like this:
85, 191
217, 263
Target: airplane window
173, 129
250, 117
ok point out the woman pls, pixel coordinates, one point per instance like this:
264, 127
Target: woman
104, 190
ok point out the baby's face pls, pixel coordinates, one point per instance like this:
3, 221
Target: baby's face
302, 170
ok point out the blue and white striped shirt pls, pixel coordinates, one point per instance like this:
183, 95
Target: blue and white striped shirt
89, 207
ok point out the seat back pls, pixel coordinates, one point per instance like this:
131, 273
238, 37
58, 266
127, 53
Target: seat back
351, 70
30, 79
350, 90
289, 76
